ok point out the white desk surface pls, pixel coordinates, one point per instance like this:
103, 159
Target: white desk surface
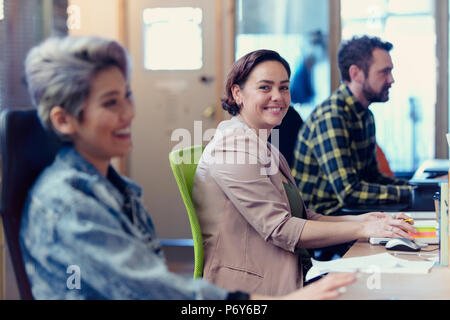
435, 285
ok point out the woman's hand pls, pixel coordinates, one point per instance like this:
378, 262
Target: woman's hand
403, 216
373, 216
330, 287
383, 225
382, 215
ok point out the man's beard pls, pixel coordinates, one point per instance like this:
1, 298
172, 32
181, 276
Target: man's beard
373, 96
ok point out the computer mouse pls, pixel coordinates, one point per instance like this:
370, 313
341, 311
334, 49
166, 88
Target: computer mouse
402, 244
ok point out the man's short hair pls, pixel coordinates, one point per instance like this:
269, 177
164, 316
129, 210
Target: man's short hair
358, 51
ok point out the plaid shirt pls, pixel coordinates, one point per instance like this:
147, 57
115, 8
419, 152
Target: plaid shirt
335, 161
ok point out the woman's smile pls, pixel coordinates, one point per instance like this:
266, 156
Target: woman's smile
265, 96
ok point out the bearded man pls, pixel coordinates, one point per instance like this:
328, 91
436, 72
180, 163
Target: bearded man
335, 162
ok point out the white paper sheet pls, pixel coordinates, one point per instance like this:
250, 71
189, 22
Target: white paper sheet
382, 263
418, 215
421, 215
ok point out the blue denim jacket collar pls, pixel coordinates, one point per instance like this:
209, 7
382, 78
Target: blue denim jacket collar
70, 156
118, 190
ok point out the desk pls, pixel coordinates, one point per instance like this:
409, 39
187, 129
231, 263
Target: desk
435, 285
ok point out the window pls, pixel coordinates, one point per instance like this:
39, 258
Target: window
173, 38
298, 31
406, 123
2, 10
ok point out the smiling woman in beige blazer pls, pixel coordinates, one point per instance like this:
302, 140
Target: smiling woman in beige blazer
253, 220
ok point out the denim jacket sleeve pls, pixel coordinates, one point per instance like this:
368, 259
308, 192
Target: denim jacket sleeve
77, 247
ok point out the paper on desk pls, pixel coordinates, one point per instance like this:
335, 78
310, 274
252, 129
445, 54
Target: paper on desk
417, 215
421, 215
382, 263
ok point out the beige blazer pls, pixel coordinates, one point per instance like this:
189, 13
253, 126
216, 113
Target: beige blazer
249, 235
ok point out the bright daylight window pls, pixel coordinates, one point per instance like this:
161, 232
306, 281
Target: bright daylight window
2, 9
406, 123
287, 27
173, 38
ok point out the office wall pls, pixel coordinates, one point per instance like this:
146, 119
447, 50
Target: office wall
98, 18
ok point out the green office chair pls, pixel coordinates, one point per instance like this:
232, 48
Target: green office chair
184, 163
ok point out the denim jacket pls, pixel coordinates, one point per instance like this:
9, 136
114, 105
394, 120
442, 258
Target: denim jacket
78, 242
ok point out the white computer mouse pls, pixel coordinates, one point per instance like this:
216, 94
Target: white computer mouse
402, 244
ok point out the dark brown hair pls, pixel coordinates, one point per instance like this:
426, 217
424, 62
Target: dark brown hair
358, 51
241, 70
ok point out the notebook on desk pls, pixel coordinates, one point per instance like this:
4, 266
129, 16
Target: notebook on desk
441, 171
383, 263
438, 168
436, 165
434, 174
422, 215
427, 231
417, 215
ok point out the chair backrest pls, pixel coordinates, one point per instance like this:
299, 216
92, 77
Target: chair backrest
26, 149
184, 163
383, 163
288, 134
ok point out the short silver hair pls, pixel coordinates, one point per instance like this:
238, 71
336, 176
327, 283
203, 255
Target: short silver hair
59, 72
